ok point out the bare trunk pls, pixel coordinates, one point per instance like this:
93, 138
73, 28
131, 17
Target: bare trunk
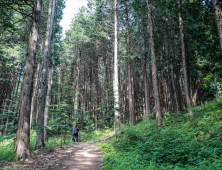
215, 84
40, 131
97, 86
35, 97
131, 94
132, 118
194, 97
218, 18
178, 89
125, 99
146, 80
147, 94
48, 97
172, 91
154, 67
184, 56
22, 148
90, 88
76, 80
170, 80
115, 77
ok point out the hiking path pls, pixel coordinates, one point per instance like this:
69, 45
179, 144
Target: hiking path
79, 156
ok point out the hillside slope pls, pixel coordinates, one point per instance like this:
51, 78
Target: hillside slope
184, 144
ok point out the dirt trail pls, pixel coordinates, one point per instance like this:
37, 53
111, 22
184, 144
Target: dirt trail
80, 156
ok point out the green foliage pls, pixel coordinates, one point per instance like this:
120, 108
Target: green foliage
7, 147
184, 144
7, 144
95, 135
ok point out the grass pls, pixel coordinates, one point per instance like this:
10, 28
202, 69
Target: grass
183, 145
7, 147
96, 135
7, 143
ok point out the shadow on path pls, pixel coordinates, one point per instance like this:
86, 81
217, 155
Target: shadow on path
80, 156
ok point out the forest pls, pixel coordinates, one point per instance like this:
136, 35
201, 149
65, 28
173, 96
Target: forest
146, 73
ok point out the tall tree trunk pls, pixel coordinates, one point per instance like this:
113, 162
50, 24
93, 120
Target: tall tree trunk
170, 81
40, 131
115, 77
147, 93
131, 96
97, 85
35, 97
215, 84
162, 94
178, 91
48, 97
218, 18
146, 79
154, 67
125, 99
184, 56
107, 78
22, 147
90, 88
76, 79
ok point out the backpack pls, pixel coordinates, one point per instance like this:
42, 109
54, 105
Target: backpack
75, 131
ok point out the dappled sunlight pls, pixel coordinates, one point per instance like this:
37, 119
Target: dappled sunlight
85, 154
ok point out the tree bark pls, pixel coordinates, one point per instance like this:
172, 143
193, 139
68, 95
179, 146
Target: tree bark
115, 77
76, 79
154, 67
147, 111
218, 18
40, 131
90, 88
178, 91
48, 97
34, 106
215, 84
170, 81
22, 147
184, 58
147, 94
131, 96
97, 86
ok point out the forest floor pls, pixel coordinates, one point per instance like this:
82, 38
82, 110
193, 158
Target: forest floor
79, 156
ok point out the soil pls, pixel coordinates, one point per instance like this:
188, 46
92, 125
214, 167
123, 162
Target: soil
80, 156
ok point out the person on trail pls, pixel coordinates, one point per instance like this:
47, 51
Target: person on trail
76, 134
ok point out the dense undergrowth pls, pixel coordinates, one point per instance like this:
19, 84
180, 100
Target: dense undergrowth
184, 144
